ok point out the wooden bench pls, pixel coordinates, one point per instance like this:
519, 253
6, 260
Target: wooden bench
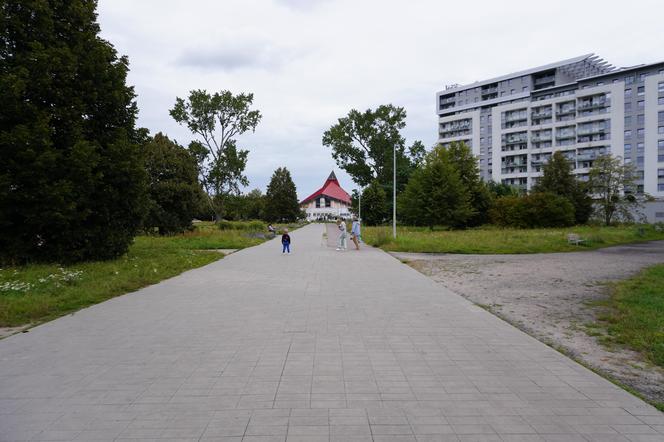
575, 239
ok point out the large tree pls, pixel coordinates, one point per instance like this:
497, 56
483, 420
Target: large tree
466, 164
71, 181
217, 120
173, 186
281, 202
612, 184
436, 194
362, 144
558, 179
374, 204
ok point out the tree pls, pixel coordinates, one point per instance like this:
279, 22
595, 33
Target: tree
281, 202
480, 198
612, 183
557, 178
436, 194
245, 207
362, 144
173, 186
217, 119
72, 186
374, 204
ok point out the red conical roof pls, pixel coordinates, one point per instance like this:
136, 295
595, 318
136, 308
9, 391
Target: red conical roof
330, 189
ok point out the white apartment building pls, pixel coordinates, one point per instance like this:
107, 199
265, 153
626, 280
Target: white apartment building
583, 107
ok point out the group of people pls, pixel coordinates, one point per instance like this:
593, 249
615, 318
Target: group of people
341, 241
343, 234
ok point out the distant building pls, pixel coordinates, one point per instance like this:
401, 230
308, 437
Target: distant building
583, 107
330, 201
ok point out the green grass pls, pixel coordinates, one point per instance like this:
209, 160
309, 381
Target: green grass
491, 240
36, 293
635, 314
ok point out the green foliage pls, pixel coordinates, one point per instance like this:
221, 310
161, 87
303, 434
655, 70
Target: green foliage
173, 188
362, 144
281, 203
217, 119
252, 226
535, 210
245, 206
612, 183
436, 194
35, 293
480, 198
72, 186
494, 240
635, 315
557, 178
500, 189
374, 204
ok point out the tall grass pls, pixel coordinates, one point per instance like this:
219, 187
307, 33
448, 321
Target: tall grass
491, 240
635, 313
36, 293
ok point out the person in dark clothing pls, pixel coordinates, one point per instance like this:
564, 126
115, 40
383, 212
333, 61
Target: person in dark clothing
285, 241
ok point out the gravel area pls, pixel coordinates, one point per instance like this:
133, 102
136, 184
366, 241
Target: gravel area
547, 295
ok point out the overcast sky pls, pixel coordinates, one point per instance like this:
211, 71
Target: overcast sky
309, 62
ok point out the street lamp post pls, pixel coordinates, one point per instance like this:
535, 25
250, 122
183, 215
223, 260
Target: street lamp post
394, 192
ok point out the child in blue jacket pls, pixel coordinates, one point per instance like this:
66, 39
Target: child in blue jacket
285, 241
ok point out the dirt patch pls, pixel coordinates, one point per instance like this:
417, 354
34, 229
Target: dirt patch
548, 296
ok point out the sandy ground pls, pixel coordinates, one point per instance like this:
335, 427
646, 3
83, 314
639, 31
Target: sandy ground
547, 295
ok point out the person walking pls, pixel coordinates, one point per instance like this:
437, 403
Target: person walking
285, 242
343, 234
355, 233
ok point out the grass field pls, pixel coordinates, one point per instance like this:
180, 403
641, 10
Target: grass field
488, 240
635, 314
36, 293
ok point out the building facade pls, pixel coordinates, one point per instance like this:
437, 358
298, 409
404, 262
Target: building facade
583, 107
328, 202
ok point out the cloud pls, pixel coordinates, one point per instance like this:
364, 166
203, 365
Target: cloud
259, 55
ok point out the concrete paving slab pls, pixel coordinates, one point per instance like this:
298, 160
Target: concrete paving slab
315, 345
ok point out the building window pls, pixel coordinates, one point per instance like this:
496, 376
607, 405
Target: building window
629, 79
639, 148
660, 144
640, 119
639, 161
642, 77
660, 130
660, 100
524, 89
660, 86
640, 104
660, 188
628, 134
640, 133
628, 121
628, 92
628, 149
660, 116
628, 106
641, 91
660, 173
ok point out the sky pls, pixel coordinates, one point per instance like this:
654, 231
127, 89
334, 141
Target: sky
309, 62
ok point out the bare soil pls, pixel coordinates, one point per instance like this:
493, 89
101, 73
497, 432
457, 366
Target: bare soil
550, 296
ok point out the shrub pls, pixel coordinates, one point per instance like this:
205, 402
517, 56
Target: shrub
535, 210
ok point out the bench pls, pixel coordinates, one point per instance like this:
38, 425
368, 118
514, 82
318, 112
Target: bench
575, 239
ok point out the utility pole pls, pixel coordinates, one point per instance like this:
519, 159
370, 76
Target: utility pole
394, 192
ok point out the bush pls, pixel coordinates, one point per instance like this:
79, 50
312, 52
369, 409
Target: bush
253, 226
535, 210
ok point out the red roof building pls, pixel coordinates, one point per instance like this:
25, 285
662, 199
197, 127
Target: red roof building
330, 201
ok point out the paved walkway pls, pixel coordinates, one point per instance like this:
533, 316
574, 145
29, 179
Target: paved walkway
316, 346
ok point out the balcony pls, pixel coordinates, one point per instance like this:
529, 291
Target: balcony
591, 105
511, 118
567, 111
540, 115
490, 90
591, 131
541, 138
565, 136
586, 156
